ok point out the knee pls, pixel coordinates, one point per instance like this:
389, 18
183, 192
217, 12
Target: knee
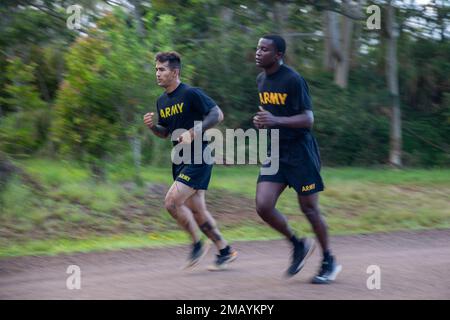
200, 213
170, 204
208, 226
310, 211
263, 209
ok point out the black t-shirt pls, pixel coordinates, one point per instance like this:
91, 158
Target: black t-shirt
285, 93
180, 108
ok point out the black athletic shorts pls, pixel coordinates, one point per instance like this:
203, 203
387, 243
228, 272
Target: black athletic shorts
299, 166
196, 176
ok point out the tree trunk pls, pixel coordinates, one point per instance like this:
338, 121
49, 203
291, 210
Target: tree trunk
60, 68
135, 143
338, 31
42, 86
441, 18
392, 81
140, 29
338, 44
357, 38
98, 171
343, 64
136, 146
226, 17
281, 16
332, 41
138, 18
6, 171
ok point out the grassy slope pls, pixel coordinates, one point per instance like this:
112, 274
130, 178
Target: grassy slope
82, 216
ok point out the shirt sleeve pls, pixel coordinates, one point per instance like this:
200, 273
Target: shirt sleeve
300, 92
201, 102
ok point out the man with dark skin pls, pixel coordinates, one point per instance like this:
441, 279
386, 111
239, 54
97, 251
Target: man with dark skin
285, 104
180, 107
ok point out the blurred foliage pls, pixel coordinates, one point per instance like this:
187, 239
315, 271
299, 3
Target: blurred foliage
81, 94
24, 130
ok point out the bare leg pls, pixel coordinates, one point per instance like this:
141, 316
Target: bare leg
267, 194
310, 207
204, 219
175, 203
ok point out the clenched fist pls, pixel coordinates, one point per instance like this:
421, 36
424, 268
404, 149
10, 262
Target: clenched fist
257, 120
148, 120
264, 119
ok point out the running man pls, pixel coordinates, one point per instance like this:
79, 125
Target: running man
178, 107
285, 104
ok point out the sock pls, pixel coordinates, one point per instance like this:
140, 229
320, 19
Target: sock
225, 251
327, 255
296, 241
198, 245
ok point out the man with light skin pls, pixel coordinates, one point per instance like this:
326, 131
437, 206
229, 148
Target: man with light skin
285, 104
178, 108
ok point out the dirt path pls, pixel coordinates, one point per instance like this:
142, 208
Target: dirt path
414, 265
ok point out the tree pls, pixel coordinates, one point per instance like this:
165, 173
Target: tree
127, 58
391, 33
338, 30
23, 130
85, 125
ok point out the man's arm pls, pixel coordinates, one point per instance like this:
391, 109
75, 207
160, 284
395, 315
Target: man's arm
212, 118
160, 131
303, 120
301, 101
211, 112
157, 129
266, 119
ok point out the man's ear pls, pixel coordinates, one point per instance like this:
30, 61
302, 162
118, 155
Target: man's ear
279, 56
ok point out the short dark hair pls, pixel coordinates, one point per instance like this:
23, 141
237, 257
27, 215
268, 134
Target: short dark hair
173, 57
278, 41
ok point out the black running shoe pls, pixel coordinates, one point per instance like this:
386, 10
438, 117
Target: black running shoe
222, 261
328, 271
197, 253
300, 254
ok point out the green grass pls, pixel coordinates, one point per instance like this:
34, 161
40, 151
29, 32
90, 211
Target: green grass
81, 215
126, 241
159, 239
55, 173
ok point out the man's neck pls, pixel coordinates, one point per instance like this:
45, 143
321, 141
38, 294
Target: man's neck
273, 68
173, 86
